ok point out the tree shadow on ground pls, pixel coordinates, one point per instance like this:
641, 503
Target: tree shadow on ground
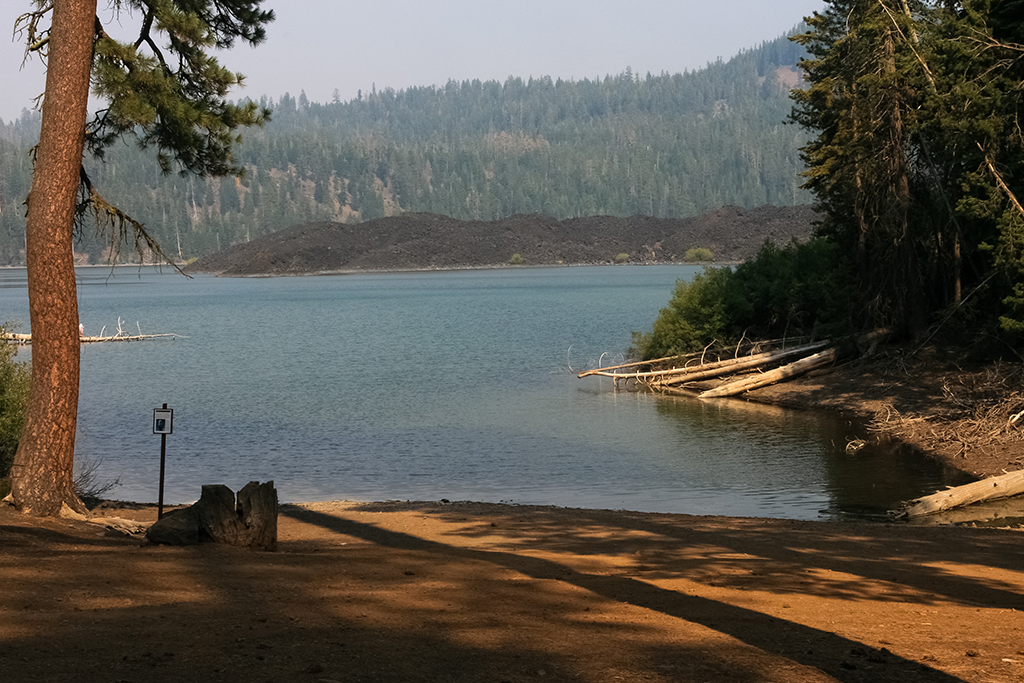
87, 607
882, 562
823, 651
530, 602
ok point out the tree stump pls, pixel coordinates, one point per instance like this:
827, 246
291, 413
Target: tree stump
217, 518
257, 504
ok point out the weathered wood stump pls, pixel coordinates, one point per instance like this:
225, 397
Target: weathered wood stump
217, 518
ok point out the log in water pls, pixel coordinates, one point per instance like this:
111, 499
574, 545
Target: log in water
993, 488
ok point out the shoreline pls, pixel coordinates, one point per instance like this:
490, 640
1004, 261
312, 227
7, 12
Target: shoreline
1005, 514
905, 397
423, 269
876, 391
455, 269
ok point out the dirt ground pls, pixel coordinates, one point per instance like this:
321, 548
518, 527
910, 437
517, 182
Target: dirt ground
474, 592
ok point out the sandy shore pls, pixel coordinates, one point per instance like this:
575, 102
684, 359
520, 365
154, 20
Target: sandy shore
475, 592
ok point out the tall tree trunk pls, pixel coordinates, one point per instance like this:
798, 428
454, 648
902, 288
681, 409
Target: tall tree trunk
860, 192
904, 272
42, 475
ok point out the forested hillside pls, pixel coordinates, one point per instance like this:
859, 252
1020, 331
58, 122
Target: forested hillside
669, 145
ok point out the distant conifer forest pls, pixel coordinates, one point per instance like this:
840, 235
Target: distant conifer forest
667, 145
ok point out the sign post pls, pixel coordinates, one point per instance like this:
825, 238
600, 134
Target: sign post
163, 424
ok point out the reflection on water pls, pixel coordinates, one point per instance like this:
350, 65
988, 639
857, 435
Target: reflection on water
440, 385
774, 454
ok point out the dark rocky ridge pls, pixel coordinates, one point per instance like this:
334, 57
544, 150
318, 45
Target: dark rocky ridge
425, 241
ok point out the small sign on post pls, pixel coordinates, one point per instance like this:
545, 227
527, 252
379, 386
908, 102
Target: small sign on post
163, 420
163, 424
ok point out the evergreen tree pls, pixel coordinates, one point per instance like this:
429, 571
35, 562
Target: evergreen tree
861, 102
977, 145
173, 103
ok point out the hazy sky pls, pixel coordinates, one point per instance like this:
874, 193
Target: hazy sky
319, 46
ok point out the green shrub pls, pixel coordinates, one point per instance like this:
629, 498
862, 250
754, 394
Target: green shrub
695, 315
800, 289
517, 259
15, 379
698, 255
622, 258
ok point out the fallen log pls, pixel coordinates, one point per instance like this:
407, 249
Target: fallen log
724, 367
693, 373
993, 488
120, 335
795, 369
606, 371
1005, 510
25, 339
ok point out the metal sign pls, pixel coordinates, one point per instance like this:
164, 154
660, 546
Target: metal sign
163, 424
163, 420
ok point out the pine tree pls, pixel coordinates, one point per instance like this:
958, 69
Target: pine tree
861, 102
170, 98
974, 125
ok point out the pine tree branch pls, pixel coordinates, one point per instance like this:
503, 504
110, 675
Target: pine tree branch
990, 42
999, 181
147, 24
145, 36
37, 40
910, 43
118, 226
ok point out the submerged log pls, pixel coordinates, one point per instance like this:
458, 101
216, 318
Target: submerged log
993, 488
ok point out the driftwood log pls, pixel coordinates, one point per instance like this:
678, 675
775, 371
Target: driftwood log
663, 380
750, 345
993, 488
691, 373
25, 339
733, 365
217, 517
653, 361
795, 369
120, 336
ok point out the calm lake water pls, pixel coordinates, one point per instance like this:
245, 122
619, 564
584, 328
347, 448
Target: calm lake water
423, 386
